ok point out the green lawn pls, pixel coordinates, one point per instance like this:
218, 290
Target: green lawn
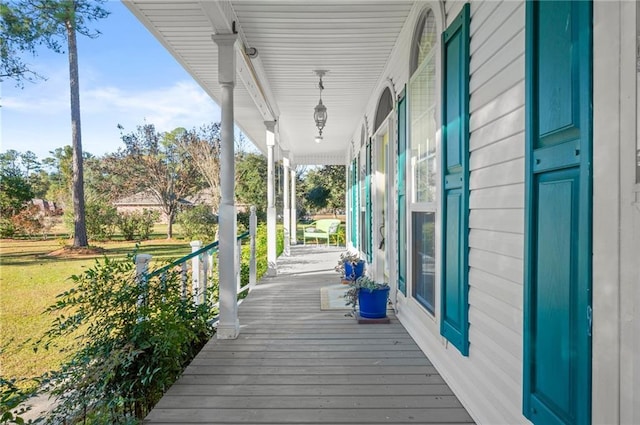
30, 281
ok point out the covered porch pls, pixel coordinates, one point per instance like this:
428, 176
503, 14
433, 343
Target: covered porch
296, 363
475, 136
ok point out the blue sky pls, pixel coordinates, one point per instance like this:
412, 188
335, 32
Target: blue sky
126, 77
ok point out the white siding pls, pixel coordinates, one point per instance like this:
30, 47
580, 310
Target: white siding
497, 202
452, 9
489, 380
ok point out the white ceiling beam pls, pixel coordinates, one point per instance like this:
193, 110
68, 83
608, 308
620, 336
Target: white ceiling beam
224, 20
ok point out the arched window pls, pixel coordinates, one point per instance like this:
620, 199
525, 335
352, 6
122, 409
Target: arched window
422, 95
385, 106
423, 172
424, 39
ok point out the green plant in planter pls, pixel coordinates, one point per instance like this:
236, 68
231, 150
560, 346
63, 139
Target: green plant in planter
351, 257
363, 282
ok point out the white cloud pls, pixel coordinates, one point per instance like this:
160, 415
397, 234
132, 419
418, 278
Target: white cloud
48, 96
38, 118
181, 104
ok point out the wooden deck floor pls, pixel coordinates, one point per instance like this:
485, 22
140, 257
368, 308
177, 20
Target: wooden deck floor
294, 363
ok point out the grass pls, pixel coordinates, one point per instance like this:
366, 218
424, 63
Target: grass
29, 283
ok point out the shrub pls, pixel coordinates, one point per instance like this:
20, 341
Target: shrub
101, 219
29, 221
134, 341
198, 223
245, 216
341, 235
261, 249
279, 241
12, 399
137, 225
7, 229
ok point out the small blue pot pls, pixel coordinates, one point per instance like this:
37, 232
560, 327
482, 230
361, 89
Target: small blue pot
353, 272
373, 303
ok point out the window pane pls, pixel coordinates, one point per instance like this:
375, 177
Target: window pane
428, 37
423, 131
362, 174
423, 257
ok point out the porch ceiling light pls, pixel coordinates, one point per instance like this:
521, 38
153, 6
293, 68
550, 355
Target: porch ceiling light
320, 111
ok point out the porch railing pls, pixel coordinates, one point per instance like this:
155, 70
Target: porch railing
201, 264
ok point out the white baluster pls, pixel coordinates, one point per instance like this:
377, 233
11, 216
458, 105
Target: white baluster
238, 260
183, 275
142, 268
195, 272
253, 224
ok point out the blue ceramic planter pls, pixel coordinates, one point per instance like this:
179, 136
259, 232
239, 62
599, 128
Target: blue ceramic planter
353, 272
373, 303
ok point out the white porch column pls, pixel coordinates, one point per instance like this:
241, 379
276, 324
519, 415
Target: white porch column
294, 215
228, 324
272, 268
286, 213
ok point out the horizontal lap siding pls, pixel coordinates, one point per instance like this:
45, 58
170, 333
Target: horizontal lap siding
489, 381
496, 200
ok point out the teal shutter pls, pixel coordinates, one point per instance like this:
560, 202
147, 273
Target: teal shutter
402, 191
558, 227
354, 202
368, 207
454, 324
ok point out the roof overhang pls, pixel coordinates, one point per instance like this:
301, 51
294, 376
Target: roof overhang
351, 39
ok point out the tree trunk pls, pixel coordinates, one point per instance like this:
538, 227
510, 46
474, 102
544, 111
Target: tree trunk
170, 218
77, 191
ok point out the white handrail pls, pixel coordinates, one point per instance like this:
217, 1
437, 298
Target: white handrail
201, 266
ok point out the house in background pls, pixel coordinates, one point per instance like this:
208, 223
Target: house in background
47, 207
204, 197
145, 200
492, 172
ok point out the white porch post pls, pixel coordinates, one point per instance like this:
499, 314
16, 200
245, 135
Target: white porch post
286, 213
228, 324
294, 215
272, 268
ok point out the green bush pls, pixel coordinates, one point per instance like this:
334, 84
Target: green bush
262, 264
137, 225
261, 250
12, 399
101, 219
7, 229
133, 341
245, 216
198, 223
279, 241
341, 235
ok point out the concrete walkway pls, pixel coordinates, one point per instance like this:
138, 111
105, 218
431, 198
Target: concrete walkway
294, 363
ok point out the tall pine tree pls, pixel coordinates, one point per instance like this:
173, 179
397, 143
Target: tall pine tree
27, 24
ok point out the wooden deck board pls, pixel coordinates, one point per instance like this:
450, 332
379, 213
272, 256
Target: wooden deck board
295, 389
309, 402
294, 363
346, 379
311, 416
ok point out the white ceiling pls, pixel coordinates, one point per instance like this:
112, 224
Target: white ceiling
351, 39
